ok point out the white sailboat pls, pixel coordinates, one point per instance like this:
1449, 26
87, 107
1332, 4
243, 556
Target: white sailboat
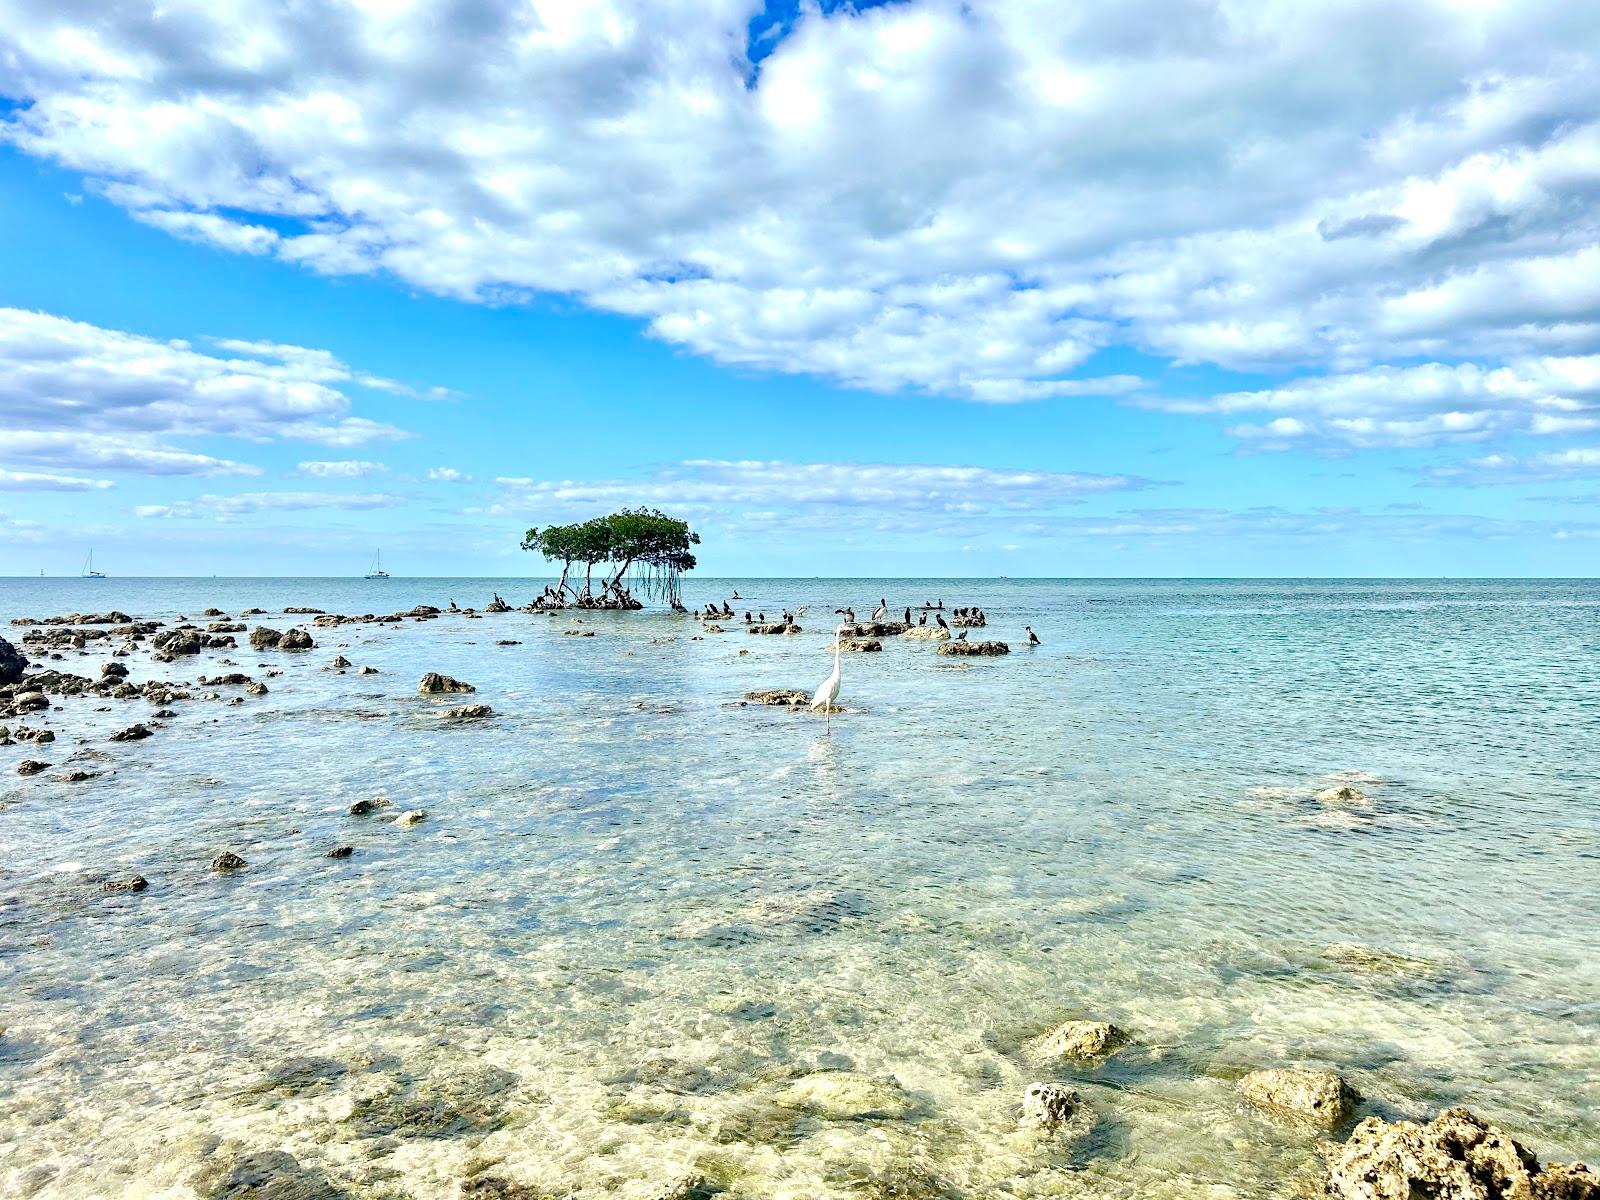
88, 568
377, 571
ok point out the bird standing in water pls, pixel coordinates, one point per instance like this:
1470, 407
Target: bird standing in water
1033, 638
827, 692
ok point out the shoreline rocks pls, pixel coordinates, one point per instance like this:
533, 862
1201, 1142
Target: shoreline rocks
1456, 1156
12, 663
1298, 1096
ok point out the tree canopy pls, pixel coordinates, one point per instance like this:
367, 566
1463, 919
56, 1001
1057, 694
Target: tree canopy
644, 541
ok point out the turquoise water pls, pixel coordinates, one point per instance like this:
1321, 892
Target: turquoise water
638, 912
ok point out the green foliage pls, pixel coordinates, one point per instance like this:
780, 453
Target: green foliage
646, 541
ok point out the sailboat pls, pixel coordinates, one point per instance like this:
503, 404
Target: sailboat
377, 571
88, 568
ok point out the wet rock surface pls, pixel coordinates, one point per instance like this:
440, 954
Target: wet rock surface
12, 663
779, 697
228, 861
1082, 1041
1456, 1156
433, 683
973, 649
1300, 1097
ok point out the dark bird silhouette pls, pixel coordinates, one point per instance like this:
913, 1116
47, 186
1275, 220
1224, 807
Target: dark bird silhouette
941, 620
923, 619
908, 614
962, 636
1033, 638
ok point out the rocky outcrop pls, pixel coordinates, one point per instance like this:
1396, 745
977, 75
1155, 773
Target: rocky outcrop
879, 629
1050, 1105
779, 697
927, 633
1455, 1156
32, 766
12, 663
1083, 1041
113, 670
469, 712
974, 649
771, 627
228, 861
300, 610
184, 640
365, 808
262, 638
860, 646
969, 621
24, 702
340, 662
296, 639
1297, 1096
847, 1096
134, 883
433, 683
133, 733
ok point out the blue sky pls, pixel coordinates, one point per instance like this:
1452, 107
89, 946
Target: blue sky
1119, 290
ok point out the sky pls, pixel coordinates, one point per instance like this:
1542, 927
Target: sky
1131, 288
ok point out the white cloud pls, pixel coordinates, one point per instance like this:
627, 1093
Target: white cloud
229, 507
1577, 462
78, 396
1417, 405
31, 481
348, 469
448, 475
967, 199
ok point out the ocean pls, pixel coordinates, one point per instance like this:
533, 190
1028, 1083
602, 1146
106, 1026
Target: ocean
647, 931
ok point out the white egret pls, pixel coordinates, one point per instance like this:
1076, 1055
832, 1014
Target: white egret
828, 692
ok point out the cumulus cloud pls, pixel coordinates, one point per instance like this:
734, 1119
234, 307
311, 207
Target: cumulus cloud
32, 481
347, 469
78, 396
239, 504
974, 200
1578, 462
448, 475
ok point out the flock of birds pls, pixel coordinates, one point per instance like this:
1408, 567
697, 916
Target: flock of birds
825, 698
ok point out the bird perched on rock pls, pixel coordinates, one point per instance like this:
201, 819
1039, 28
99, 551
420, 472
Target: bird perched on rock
881, 611
962, 636
942, 624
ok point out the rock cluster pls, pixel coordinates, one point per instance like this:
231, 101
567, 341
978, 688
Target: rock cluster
872, 629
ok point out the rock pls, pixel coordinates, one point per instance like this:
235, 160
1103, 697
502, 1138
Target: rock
578, 632
31, 766
875, 629
1081, 1040
262, 638
12, 663
508, 642
771, 627
469, 712
78, 776
179, 641
113, 670
365, 808
413, 816
369, 670
860, 645
226, 627
497, 1187
133, 733
340, 662
26, 733
1343, 795
1049, 1105
927, 633
690, 1187
433, 682
1456, 1156
296, 639
255, 689
1300, 1097
135, 883
781, 697
264, 1175
341, 852
228, 861
300, 610
847, 1096
29, 702
974, 649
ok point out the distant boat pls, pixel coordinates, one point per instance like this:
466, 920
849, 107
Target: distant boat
377, 571
88, 568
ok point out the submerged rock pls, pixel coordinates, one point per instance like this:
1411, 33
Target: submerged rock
412, 816
469, 712
296, 639
1081, 1040
974, 649
433, 683
134, 883
927, 633
340, 662
133, 733
32, 766
1346, 795
1300, 1097
29, 702
365, 808
1456, 1156
860, 645
264, 1175
340, 852
771, 627
847, 1096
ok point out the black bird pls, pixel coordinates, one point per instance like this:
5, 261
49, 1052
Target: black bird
762, 617
908, 614
962, 636
923, 619
941, 621
747, 618
1033, 638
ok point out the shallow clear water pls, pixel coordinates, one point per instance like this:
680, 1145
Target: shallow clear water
638, 911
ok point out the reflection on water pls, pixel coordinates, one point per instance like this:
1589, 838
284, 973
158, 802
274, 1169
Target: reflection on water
647, 932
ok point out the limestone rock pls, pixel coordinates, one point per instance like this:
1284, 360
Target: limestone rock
974, 649
1050, 1105
927, 633
1455, 1156
433, 682
413, 816
340, 662
341, 852
228, 861
134, 883
365, 808
469, 712
29, 702
113, 670
771, 627
1300, 1097
860, 645
1081, 1040
781, 697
